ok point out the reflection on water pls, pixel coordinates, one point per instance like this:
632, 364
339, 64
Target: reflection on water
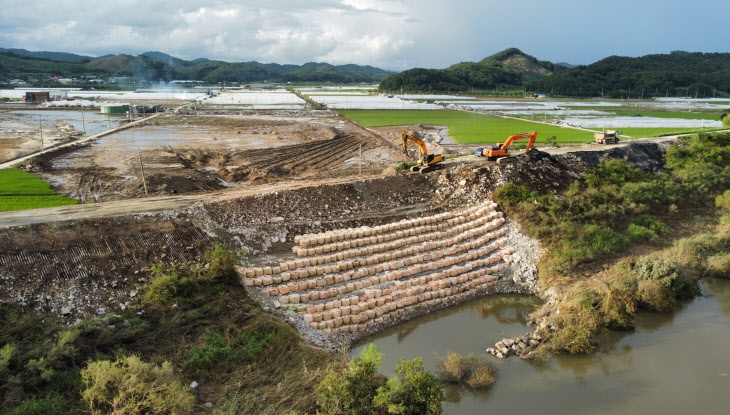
675, 363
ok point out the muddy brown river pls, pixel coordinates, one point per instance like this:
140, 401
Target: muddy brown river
673, 363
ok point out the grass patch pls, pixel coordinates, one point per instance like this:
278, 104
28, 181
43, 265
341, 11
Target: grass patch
200, 320
466, 127
615, 207
476, 371
20, 190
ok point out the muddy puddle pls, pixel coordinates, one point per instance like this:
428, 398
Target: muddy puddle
94, 122
673, 363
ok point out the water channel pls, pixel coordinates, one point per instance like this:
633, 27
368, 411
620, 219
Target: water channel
672, 363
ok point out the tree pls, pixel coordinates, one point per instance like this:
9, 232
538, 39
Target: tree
412, 391
352, 391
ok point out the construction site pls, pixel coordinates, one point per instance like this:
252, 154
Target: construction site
339, 242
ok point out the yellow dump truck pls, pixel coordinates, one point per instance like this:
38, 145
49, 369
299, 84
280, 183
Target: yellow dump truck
608, 137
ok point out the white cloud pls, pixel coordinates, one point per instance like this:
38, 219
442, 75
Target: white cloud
394, 34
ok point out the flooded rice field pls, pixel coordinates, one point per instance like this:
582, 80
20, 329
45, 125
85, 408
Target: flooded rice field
672, 363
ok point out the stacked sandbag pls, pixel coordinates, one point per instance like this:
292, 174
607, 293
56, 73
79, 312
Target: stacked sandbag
349, 279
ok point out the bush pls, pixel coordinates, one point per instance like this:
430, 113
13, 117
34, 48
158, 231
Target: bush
719, 265
129, 386
353, 391
219, 353
726, 120
638, 233
653, 295
511, 194
412, 391
723, 201
51, 405
588, 243
669, 275
612, 172
477, 372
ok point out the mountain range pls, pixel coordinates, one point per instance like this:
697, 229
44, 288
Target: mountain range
158, 66
677, 73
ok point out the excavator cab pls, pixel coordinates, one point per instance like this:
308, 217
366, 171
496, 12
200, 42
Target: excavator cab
428, 161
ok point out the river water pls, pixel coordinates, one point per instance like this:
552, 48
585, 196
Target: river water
672, 363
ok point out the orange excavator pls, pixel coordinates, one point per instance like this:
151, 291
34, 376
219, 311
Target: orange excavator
427, 162
502, 149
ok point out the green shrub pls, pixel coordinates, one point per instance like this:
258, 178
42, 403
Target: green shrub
612, 172
651, 194
726, 120
719, 265
589, 242
412, 391
220, 264
219, 353
669, 274
51, 405
129, 386
723, 201
638, 233
511, 194
353, 391
655, 226
477, 372
653, 295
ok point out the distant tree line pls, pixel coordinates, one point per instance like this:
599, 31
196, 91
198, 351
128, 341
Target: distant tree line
675, 74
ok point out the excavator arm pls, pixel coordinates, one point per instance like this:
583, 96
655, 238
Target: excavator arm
502, 149
532, 136
427, 161
421, 145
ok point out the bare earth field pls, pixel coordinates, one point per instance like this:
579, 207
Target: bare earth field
194, 151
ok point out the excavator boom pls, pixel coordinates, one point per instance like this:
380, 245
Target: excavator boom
502, 149
426, 161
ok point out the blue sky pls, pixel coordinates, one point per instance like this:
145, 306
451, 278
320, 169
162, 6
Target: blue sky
392, 34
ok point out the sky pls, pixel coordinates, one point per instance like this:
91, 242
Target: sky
390, 34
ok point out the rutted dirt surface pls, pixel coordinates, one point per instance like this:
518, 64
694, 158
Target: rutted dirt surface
202, 151
84, 268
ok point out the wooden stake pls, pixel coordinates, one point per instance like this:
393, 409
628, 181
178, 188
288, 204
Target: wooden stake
141, 167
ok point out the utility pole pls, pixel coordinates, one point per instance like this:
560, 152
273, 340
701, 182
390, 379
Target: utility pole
83, 121
141, 167
40, 127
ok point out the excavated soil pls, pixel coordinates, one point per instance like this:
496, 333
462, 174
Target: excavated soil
202, 151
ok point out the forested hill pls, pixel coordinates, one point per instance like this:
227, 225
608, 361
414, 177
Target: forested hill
674, 74
157, 66
509, 68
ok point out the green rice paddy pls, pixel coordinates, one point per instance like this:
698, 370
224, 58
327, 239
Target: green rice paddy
467, 127
20, 190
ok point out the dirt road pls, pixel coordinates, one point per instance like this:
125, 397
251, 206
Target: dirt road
162, 203
151, 204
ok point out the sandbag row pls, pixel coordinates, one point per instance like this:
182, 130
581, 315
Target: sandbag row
442, 272
436, 239
417, 234
322, 276
307, 240
376, 307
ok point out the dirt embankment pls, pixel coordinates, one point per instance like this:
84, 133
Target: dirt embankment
79, 268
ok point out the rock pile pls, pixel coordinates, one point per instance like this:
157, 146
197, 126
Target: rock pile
522, 346
346, 280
